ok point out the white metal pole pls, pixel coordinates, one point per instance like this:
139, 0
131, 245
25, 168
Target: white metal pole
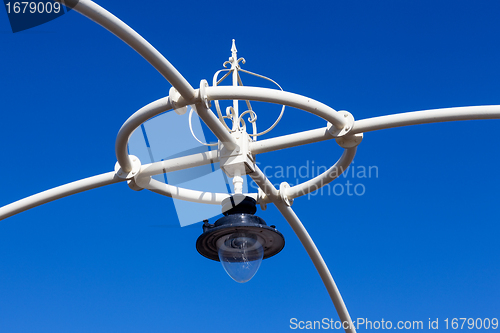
379, 123
290, 140
306, 240
319, 263
187, 194
277, 97
326, 177
215, 126
178, 163
59, 192
104, 18
131, 124
426, 117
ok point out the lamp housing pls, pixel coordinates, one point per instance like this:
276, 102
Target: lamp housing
239, 219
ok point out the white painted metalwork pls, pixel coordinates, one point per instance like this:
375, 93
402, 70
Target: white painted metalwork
132, 123
179, 163
59, 192
308, 244
232, 112
340, 125
326, 177
277, 97
121, 30
186, 194
427, 117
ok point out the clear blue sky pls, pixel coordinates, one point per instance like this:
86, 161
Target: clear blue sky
421, 242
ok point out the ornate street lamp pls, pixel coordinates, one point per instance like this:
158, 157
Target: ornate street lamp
240, 240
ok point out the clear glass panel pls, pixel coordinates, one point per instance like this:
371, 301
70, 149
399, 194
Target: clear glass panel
241, 255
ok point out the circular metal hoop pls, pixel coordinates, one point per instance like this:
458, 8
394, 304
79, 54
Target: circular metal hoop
340, 123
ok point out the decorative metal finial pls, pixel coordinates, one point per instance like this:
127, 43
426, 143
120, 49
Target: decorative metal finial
232, 112
234, 51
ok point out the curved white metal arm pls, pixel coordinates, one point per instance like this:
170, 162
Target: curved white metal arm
131, 124
179, 163
59, 192
147, 112
104, 18
209, 118
277, 97
186, 194
426, 117
290, 140
313, 252
183, 193
101, 16
272, 194
326, 177
379, 123
319, 263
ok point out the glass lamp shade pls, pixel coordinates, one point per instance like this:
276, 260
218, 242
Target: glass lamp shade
239, 239
241, 255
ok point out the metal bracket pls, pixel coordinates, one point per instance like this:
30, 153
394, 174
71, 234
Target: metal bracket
239, 161
284, 186
174, 96
262, 199
335, 132
203, 93
139, 182
136, 168
350, 141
